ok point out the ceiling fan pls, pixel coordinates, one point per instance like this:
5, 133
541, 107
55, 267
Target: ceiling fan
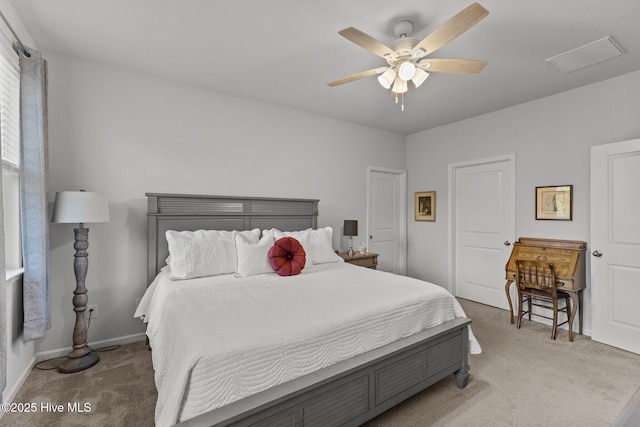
406, 56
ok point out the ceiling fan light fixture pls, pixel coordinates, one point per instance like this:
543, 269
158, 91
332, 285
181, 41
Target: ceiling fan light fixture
386, 79
399, 86
419, 77
406, 56
406, 71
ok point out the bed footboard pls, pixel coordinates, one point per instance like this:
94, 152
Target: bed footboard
355, 390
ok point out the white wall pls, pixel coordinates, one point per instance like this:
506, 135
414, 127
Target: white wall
122, 134
551, 138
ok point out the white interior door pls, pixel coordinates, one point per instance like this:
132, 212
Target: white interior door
483, 227
386, 218
615, 244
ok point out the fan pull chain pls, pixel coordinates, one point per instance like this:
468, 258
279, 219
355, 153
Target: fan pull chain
399, 96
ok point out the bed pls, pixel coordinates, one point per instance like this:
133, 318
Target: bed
225, 353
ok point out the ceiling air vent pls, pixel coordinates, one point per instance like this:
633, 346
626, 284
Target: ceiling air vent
589, 54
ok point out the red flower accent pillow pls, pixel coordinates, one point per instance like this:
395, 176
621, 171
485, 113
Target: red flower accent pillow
287, 257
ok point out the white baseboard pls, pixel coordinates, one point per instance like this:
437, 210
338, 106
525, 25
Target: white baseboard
11, 391
96, 345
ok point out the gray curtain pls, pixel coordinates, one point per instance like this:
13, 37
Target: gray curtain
3, 303
34, 194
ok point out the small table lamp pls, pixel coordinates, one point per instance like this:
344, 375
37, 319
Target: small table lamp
350, 229
69, 207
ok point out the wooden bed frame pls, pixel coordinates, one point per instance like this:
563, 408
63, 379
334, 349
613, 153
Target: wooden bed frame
347, 393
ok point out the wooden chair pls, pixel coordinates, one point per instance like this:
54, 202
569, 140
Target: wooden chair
537, 286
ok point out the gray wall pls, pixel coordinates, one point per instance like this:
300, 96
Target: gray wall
551, 138
122, 134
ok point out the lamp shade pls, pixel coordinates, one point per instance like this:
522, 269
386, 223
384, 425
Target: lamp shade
350, 227
386, 79
419, 77
80, 207
406, 71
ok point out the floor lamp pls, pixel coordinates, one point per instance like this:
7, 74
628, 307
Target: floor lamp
80, 207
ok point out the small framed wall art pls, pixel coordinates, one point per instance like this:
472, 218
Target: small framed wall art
425, 206
554, 202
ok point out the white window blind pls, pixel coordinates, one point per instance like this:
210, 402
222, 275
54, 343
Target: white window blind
10, 153
9, 106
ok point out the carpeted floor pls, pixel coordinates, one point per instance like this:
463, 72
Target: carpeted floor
522, 378
119, 391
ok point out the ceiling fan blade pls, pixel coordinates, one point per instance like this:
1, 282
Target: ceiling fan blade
456, 66
353, 77
451, 29
367, 42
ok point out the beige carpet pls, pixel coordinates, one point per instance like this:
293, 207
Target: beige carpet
119, 389
522, 378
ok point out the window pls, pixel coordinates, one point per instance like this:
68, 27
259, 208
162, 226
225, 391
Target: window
10, 139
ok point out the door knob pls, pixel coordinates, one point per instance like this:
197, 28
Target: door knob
507, 243
370, 236
596, 254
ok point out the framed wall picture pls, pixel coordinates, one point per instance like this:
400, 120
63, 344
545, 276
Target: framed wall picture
425, 206
554, 202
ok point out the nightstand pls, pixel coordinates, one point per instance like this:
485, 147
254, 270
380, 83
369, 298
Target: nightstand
369, 260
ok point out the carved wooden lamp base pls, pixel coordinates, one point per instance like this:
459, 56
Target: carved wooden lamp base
82, 356
79, 363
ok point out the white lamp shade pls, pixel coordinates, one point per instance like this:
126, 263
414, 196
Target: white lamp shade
419, 77
399, 86
406, 71
80, 207
386, 79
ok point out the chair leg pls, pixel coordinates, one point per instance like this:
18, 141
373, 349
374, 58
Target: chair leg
554, 331
520, 305
567, 301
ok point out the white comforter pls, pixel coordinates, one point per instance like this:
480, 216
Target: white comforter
219, 339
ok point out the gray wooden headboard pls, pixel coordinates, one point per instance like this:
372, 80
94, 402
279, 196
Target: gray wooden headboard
198, 212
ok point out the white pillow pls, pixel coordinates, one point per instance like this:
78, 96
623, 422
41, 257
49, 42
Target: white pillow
203, 252
322, 246
252, 256
304, 237
318, 244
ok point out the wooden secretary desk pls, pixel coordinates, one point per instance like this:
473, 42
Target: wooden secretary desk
568, 258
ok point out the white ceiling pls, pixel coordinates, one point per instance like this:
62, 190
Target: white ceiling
285, 51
